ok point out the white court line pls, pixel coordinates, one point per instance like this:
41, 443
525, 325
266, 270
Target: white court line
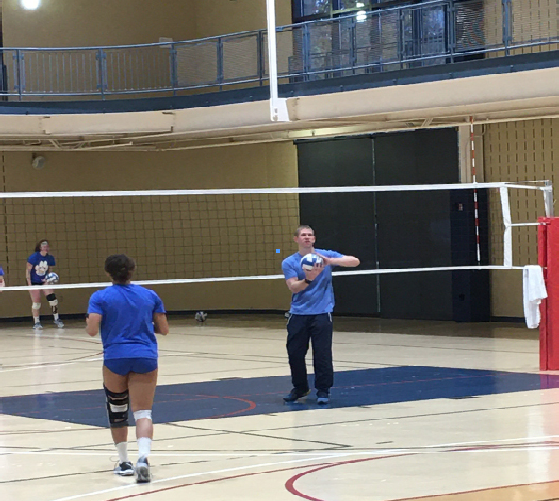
377, 452
6, 451
192, 475
96, 344
44, 365
86, 340
196, 455
477, 442
39, 365
276, 464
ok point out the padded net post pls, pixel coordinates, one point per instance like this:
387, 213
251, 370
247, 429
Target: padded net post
548, 259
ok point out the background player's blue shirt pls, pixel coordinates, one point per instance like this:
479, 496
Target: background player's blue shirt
318, 297
1, 271
127, 324
40, 266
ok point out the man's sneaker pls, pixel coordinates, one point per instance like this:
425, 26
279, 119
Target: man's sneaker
142, 471
126, 468
37, 326
59, 323
295, 394
322, 397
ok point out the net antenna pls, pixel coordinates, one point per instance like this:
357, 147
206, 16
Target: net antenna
278, 106
476, 204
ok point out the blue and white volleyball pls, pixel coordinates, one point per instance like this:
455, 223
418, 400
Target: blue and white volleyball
51, 278
310, 260
200, 316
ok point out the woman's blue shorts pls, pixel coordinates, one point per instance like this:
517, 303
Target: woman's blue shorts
123, 366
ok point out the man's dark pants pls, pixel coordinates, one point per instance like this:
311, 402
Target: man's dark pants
317, 329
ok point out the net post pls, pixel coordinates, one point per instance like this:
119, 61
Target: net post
548, 259
542, 261
278, 106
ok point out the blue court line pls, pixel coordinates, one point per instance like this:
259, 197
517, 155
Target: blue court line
263, 395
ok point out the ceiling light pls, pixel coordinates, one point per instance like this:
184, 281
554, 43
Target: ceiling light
30, 4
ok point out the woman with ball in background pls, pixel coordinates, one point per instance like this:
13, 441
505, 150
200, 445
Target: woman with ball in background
37, 273
308, 274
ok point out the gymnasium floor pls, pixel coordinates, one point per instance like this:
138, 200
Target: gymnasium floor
430, 410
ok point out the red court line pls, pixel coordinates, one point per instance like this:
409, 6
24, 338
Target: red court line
252, 405
289, 485
208, 482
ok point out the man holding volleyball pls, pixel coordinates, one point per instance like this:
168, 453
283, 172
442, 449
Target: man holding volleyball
309, 278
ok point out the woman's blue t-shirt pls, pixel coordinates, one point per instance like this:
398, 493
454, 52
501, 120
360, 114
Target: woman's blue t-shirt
127, 324
40, 267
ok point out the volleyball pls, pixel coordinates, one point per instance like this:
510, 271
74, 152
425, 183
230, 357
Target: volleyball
309, 261
200, 316
51, 278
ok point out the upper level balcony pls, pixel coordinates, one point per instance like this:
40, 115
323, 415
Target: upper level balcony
435, 62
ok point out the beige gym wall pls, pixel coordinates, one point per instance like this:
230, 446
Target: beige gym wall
517, 151
77, 223
532, 20
82, 23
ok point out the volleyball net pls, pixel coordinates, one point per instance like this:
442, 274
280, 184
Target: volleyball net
190, 236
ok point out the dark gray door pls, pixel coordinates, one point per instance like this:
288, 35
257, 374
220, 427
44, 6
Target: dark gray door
386, 230
342, 222
414, 227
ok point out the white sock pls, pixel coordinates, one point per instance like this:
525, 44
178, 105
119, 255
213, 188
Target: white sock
55, 316
122, 449
37, 319
144, 447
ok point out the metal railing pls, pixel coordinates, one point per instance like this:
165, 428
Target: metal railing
431, 33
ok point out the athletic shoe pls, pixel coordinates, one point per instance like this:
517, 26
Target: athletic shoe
37, 326
142, 471
59, 323
322, 397
295, 394
126, 468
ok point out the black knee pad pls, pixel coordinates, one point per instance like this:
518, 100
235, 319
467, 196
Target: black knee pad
117, 408
51, 297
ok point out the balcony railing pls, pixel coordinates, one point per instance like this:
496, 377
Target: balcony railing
426, 34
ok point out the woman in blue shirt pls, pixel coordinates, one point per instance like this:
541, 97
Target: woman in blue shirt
128, 317
38, 266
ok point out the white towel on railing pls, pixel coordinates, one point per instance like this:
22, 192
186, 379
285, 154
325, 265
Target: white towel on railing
533, 291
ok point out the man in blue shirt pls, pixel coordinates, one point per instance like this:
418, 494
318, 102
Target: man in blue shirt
310, 316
